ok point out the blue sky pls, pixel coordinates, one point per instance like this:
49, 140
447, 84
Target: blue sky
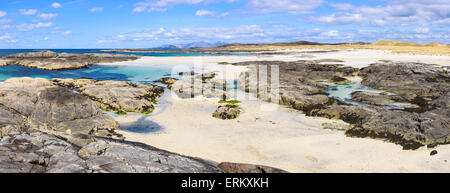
150, 23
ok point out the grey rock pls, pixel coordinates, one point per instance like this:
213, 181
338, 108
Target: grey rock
10, 121
167, 81
420, 83
45, 106
425, 86
371, 98
295, 78
116, 95
49, 60
41, 152
248, 168
227, 112
205, 85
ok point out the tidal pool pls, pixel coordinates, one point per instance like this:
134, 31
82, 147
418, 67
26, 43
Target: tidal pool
342, 92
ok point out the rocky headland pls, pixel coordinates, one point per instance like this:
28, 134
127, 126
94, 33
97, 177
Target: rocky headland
49, 60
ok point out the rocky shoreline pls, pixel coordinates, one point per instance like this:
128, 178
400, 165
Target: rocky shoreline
46, 126
425, 86
49, 60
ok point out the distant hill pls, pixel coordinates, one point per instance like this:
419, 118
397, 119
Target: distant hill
192, 45
402, 43
298, 43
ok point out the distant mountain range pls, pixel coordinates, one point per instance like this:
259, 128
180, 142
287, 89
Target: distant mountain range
190, 45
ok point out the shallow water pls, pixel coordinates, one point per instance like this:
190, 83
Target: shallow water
97, 72
342, 92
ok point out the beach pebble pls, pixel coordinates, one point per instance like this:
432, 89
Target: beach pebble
434, 152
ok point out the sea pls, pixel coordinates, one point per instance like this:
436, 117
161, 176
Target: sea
140, 74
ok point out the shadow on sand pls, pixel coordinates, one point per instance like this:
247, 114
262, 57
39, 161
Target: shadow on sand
141, 126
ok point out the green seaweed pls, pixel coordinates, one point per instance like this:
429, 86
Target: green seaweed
224, 63
120, 112
231, 102
147, 112
343, 82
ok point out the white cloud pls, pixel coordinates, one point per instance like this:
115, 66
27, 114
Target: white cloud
255, 6
422, 30
97, 9
5, 37
46, 16
8, 38
5, 26
342, 6
192, 34
28, 27
28, 11
395, 12
2, 13
56, 5
46, 38
3, 21
66, 33
161, 5
341, 18
290, 6
204, 13
332, 33
271, 33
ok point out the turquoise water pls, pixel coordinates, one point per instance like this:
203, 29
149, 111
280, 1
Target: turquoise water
97, 72
342, 92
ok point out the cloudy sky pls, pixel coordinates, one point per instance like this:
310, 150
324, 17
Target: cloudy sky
149, 23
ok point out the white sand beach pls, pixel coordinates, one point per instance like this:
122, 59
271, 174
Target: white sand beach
354, 58
283, 138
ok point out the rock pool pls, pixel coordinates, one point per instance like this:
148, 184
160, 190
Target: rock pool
342, 92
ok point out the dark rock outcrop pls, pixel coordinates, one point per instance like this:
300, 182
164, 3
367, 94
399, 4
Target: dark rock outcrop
227, 112
417, 83
167, 81
371, 98
38, 103
205, 85
426, 122
49, 60
38, 152
116, 95
248, 168
299, 82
